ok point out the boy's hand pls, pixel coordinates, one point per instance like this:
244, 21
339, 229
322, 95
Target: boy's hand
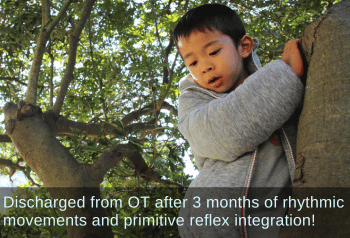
292, 57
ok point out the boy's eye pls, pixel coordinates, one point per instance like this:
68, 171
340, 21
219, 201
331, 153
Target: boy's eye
215, 52
194, 63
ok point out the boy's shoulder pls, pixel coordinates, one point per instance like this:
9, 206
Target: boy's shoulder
189, 84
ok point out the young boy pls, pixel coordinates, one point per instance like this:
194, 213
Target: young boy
236, 121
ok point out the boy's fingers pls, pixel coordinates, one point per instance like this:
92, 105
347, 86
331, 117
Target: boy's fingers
293, 42
292, 56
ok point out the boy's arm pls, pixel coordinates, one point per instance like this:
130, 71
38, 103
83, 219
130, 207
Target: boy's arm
228, 127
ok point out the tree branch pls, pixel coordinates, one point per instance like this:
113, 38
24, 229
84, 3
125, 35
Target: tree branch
62, 125
13, 79
67, 127
150, 132
106, 161
138, 127
59, 16
100, 82
283, 29
166, 58
5, 138
44, 36
73, 42
168, 48
168, 7
161, 101
41, 149
44, 140
157, 32
11, 165
110, 158
135, 115
51, 75
46, 16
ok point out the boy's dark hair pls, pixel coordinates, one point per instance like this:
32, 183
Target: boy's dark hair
211, 17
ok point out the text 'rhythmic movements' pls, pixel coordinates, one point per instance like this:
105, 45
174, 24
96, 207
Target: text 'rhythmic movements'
167, 202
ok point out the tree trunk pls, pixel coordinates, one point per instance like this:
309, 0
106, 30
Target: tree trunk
63, 176
323, 144
324, 127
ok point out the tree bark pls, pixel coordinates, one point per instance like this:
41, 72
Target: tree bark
323, 143
324, 127
64, 177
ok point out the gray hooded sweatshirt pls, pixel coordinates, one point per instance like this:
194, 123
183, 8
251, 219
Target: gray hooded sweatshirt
241, 140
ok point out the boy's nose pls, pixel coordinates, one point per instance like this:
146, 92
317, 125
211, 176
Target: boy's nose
207, 67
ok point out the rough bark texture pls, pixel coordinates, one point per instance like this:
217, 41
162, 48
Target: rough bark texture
323, 145
324, 127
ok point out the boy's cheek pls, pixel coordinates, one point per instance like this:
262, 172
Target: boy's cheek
195, 78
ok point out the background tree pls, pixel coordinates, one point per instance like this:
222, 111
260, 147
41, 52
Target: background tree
104, 75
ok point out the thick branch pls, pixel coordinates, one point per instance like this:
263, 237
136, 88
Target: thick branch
44, 36
39, 147
13, 167
67, 127
150, 132
135, 115
46, 16
105, 162
59, 16
10, 164
144, 171
5, 138
73, 42
43, 150
112, 157
138, 127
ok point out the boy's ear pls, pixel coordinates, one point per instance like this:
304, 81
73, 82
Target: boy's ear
246, 45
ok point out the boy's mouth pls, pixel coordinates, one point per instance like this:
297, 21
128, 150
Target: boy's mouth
215, 81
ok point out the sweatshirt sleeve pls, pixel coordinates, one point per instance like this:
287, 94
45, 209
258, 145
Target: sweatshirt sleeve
228, 127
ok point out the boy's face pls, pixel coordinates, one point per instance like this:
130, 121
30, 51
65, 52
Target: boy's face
213, 60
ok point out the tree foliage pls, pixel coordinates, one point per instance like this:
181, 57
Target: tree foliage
115, 83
